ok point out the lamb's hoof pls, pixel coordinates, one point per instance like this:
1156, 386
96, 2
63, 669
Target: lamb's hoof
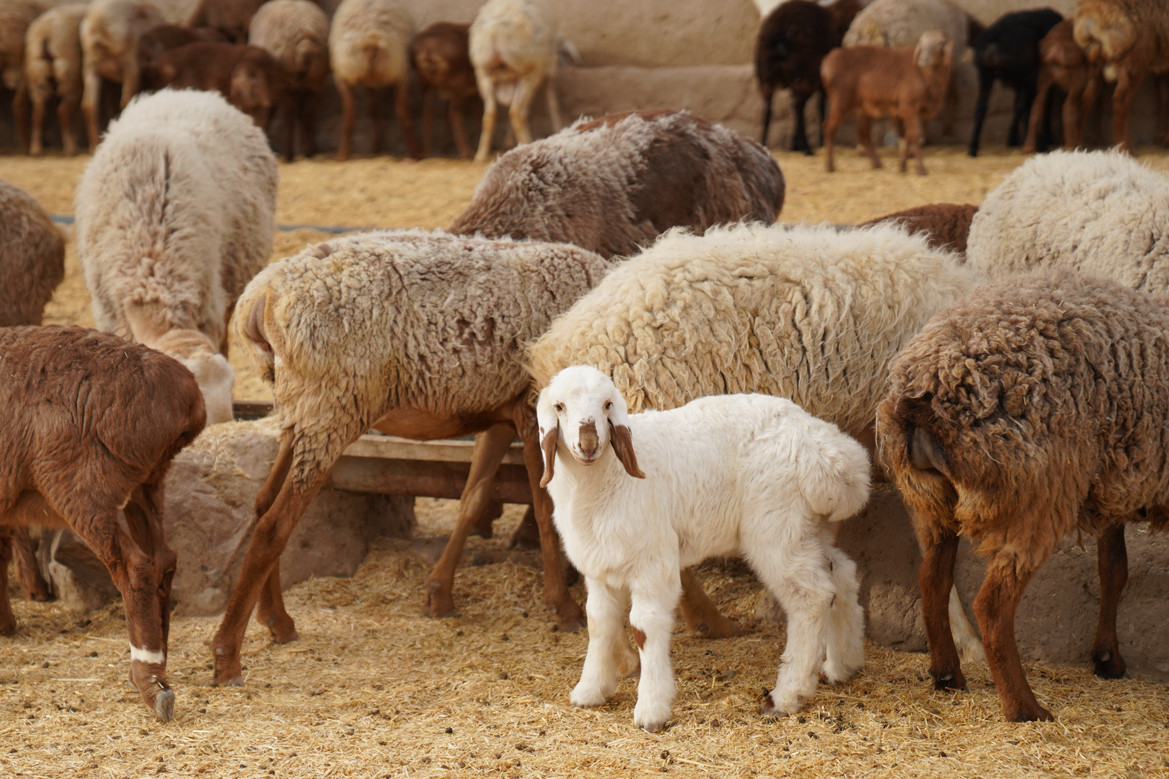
653, 727
1108, 665
653, 722
769, 709
164, 704
720, 628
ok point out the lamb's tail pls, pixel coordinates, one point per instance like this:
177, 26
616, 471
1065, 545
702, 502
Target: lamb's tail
834, 474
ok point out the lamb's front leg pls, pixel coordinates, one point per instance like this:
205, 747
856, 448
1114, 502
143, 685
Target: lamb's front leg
652, 619
604, 608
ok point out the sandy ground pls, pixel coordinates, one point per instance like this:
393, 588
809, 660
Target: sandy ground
375, 688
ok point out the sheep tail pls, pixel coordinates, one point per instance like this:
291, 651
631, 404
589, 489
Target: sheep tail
253, 328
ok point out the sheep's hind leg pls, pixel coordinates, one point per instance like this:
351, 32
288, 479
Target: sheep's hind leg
935, 580
701, 615
7, 618
652, 619
605, 607
995, 606
490, 447
270, 610
1112, 564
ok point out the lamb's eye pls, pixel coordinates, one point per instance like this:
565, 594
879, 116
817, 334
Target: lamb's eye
559, 408
608, 404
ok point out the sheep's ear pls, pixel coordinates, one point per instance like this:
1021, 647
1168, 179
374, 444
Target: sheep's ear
622, 442
548, 445
549, 429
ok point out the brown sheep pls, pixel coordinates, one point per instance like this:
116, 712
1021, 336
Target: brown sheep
15, 18
70, 462
1130, 40
1063, 63
1034, 407
247, 76
163, 38
945, 225
52, 63
440, 56
872, 81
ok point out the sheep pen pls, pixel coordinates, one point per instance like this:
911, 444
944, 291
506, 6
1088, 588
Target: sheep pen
375, 688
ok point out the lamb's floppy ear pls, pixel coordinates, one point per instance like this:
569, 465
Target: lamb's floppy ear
549, 435
621, 438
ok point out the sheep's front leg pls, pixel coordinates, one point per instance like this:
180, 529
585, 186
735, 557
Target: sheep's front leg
652, 618
1112, 564
604, 607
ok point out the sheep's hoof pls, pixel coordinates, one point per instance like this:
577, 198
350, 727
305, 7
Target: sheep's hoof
1034, 713
950, 681
439, 602
569, 617
282, 630
228, 671
164, 704
1108, 665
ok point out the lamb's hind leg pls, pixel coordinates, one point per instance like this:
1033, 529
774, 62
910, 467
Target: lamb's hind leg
490, 447
1112, 563
799, 579
844, 650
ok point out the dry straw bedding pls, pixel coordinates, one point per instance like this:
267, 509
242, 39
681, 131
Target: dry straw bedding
375, 688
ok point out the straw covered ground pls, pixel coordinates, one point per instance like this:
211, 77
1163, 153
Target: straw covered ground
375, 688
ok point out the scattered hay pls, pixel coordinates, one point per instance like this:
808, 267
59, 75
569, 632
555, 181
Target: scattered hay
376, 688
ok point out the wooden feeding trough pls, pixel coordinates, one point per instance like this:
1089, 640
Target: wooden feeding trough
388, 465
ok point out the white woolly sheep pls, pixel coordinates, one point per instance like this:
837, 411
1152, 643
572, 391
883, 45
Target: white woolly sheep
53, 69
900, 24
172, 223
872, 81
1034, 407
810, 313
639, 496
296, 32
369, 43
1130, 40
15, 18
1098, 212
109, 47
613, 184
91, 426
427, 346
513, 47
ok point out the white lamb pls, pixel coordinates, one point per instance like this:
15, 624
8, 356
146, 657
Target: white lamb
732, 474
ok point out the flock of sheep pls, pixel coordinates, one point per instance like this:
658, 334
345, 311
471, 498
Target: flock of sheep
688, 378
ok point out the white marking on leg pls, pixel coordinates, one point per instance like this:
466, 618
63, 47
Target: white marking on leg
147, 656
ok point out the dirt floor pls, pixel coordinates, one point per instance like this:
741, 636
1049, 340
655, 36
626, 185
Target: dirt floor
375, 688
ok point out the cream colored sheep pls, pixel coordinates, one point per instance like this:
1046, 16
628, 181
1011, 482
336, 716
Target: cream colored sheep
296, 33
53, 68
172, 222
369, 43
109, 47
809, 313
415, 334
514, 47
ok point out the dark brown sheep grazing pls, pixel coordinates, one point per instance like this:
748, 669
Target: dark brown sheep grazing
614, 184
945, 225
440, 56
1034, 407
92, 424
248, 76
157, 40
